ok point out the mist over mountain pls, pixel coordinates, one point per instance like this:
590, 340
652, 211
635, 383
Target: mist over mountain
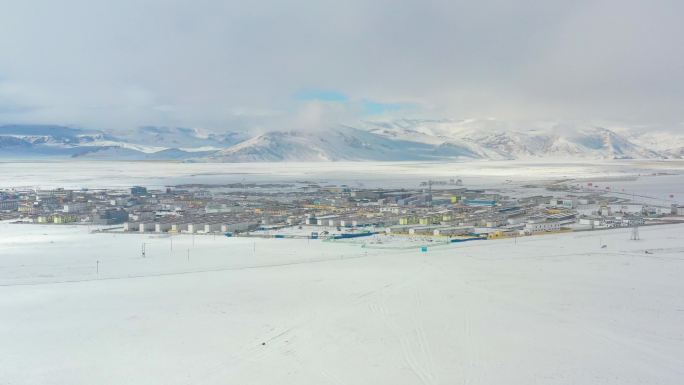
393, 140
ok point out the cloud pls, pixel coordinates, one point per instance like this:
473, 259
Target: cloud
235, 65
371, 107
322, 95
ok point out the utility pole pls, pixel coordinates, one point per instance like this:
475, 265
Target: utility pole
97, 267
142, 251
635, 231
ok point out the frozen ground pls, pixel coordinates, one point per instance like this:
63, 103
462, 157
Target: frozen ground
555, 309
370, 174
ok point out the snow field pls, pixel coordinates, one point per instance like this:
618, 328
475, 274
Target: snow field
555, 309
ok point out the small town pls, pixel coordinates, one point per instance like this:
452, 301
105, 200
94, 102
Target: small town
444, 210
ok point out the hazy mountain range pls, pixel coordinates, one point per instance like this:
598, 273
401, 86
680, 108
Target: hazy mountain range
392, 140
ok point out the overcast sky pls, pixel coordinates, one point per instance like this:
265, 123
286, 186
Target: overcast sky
301, 64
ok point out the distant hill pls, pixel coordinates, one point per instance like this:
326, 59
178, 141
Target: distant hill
396, 140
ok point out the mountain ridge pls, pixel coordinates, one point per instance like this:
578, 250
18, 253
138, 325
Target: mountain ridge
397, 140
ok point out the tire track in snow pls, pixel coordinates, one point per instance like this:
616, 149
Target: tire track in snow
415, 347
423, 342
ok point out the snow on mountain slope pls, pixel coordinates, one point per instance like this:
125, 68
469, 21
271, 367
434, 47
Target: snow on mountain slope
124, 153
179, 137
130, 146
20, 141
38, 141
493, 139
404, 139
341, 143
668, 143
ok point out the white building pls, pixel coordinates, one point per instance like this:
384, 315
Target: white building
144, 227
131, 226
627, 208
77, 207
425, 230
605, 211
162, 227
677, 210
212, 227
588, 209
327, 220
179, 227
562, 203
237, 226
450, 231
538, 227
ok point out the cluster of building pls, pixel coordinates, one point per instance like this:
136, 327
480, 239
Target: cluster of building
451, 211
62, 206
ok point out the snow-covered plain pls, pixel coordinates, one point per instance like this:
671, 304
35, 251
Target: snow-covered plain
553, 309
108, 174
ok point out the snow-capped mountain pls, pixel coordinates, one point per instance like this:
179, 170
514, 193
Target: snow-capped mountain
403, 139
154, 143
493, 139
24, 141
669, 144
182, 138
340, 143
